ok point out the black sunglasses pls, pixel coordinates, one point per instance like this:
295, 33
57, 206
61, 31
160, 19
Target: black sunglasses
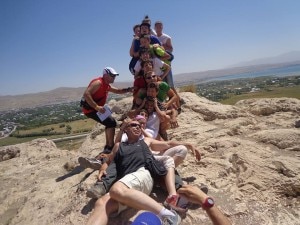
151, 77
134, 125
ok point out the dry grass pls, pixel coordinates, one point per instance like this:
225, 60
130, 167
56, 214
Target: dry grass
189, 88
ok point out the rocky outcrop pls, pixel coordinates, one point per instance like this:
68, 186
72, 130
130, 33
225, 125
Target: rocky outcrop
250, 162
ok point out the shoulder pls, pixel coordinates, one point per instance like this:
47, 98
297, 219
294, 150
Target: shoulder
164, 86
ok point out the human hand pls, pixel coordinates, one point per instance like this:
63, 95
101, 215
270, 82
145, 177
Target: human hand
101, 174
173, 123
192, 193
196, 153
100, 109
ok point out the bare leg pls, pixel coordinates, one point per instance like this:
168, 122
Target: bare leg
133, 198
104, 206
170, 181
110, 134
177, 160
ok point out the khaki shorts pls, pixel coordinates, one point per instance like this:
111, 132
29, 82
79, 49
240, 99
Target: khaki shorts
140, 180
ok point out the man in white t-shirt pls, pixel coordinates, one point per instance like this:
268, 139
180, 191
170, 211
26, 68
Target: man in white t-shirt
164, 39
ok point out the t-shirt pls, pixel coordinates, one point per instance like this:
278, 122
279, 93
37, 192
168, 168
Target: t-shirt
130, 157
157, 66
100, 95
163, 38
137, 43
152, 126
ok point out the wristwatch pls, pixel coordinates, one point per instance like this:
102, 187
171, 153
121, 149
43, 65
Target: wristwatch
208, 203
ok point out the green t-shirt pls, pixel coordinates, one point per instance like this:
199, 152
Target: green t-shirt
162, 95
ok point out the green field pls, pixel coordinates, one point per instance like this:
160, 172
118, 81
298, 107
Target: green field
77, 126
277, 92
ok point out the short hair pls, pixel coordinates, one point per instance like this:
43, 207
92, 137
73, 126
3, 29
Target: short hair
153, 85
143, 50
145, 36
146, 62
136, 26
158, 22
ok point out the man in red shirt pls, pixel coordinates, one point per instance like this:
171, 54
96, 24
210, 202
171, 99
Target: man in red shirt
93, 101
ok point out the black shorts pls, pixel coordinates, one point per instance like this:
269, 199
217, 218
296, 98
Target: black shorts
109, 122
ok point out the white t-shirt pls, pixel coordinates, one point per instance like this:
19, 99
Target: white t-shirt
157, 66
163, 38
152, 126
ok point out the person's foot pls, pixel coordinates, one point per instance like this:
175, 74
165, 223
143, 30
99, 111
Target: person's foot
171, 220
171, 202
96, 191
89, 163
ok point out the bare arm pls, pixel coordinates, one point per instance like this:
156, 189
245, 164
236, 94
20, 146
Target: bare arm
195, 151
168, 45
172, 98
120, 91
110, 157
166, 69
88, 95
195, 195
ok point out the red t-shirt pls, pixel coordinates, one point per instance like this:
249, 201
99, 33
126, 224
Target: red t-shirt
100, 95
138, 84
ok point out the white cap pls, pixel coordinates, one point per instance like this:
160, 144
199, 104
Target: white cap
109, 70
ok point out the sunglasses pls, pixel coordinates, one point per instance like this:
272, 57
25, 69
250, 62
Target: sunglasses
112, 75
134, 125
151, 77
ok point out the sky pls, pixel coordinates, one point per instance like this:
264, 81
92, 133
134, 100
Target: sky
46, 44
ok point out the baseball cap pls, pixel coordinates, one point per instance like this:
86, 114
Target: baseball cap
109, 70
147, 218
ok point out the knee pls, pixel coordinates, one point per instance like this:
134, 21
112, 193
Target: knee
101, 202
169, 163
117, 191
182, 152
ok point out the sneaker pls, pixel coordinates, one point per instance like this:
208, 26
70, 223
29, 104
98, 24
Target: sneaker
96, 191
89, 163
171, 220
171, 203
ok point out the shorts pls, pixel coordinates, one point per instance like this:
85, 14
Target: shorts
168, 161
109, 122
140, 180
179, 150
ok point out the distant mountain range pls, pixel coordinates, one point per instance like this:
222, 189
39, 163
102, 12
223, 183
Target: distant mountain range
282, 58
67, 94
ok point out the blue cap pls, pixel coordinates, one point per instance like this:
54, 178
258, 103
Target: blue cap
147, 218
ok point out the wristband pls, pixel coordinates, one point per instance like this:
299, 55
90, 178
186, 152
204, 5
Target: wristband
208, 203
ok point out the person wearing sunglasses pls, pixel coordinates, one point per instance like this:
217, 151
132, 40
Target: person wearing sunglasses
93, 101
134, 181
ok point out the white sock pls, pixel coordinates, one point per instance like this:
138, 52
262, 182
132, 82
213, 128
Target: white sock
165, 212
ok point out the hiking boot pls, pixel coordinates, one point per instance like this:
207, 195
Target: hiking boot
171, 203
171, 220
96, 191
89, 163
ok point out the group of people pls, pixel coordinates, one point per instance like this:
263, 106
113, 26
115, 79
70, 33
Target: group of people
125, 178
